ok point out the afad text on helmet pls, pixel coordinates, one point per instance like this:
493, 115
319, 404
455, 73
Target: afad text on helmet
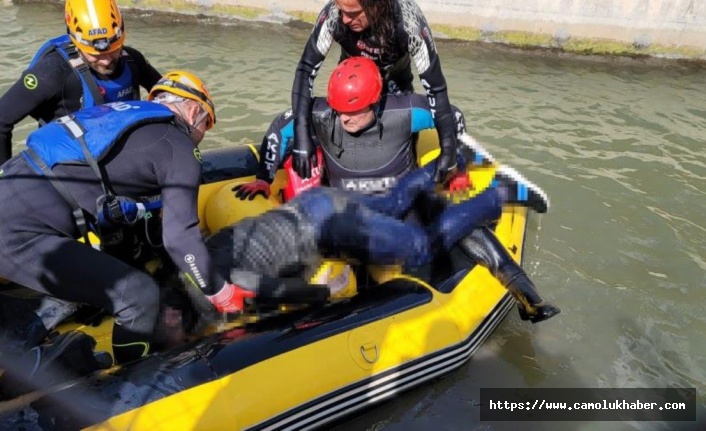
97, 31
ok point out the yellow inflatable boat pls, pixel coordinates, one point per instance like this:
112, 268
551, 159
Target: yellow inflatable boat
301, 369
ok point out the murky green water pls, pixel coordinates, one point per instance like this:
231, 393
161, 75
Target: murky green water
618, 147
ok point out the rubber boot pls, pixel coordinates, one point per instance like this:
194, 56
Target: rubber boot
129, 346
483, 247
530, 305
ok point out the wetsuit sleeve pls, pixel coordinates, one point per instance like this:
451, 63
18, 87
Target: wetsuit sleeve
148, 75
276, 146
36, 86
423, 51
459, 121
179, 177
314, 54
422, 117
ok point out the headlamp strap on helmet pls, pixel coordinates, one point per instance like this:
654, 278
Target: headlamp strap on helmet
193, 91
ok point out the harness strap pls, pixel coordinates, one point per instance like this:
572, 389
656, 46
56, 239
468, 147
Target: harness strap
78, 133
84, 71
135, 70
78, 212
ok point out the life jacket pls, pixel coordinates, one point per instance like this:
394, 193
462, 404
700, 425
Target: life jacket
85, 137
122, 88
370, 161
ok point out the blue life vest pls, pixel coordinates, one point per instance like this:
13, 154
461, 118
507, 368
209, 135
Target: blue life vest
100, 127
85, 137
120, 89
95, 91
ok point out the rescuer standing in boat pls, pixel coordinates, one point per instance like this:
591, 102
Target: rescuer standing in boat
392, 33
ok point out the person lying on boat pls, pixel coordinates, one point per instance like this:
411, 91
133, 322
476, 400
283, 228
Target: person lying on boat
392, 33
275, 252
85, 172
368, 141
88, 66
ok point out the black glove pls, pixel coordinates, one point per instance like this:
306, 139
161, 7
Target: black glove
262, 289
291, 291
303, 152
446, 164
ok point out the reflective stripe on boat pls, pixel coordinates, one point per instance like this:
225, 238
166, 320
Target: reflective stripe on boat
362, 394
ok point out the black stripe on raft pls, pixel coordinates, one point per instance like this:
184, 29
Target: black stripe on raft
389, 383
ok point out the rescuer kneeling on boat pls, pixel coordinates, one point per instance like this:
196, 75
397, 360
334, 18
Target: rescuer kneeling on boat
86, 172
369, 141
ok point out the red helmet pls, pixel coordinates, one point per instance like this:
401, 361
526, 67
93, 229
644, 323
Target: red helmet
355, 84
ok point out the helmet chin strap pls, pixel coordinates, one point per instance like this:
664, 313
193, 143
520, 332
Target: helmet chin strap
196, 134
192, 130
177, 105
202, 116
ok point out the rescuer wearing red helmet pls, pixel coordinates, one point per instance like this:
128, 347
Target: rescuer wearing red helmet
368, 141
354, 88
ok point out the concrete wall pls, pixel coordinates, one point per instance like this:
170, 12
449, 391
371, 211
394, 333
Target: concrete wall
678, 23
669, 22
664, 28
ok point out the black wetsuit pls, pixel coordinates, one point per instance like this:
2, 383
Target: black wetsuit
39, 234
412, 40
51, 88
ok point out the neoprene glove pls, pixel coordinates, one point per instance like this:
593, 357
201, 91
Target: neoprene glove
446, 164
231, 298
252, 189
303, 152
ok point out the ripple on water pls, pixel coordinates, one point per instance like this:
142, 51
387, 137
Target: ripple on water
656, 349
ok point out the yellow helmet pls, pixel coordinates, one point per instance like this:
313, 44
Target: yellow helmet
95, 26
186, 84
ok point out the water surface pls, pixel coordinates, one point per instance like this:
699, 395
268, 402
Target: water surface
618, 146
